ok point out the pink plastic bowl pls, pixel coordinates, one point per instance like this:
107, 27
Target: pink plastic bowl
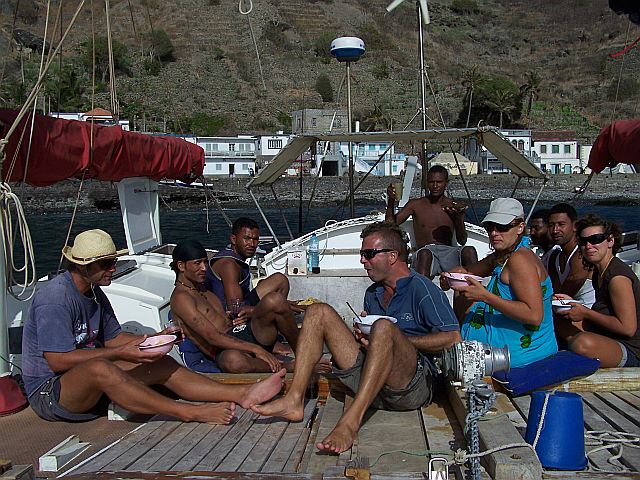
460, 279
158, 344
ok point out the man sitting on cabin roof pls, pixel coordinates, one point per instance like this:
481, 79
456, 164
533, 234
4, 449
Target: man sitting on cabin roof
435, 217
390, 369
76, 358
243, 344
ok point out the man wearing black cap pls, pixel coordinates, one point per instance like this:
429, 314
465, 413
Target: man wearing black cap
76, 358
236, 345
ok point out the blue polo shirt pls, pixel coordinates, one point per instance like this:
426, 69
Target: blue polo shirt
420, 307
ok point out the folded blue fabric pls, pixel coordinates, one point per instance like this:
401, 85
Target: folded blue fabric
558, 368
197, 361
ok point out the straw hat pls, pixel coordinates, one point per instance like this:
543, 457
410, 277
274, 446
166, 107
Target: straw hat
91, 246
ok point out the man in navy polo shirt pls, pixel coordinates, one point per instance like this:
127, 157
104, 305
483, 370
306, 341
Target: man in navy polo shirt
390, 369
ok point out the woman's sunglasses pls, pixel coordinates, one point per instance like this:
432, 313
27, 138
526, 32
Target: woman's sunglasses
490, 226
369, 253
595, 239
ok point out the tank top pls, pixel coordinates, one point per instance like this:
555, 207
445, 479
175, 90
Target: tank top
527, 343
604, 304
213, 282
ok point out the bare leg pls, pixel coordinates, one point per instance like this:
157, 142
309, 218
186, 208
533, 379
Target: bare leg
235, 361
468, 256
592, 345
390, 360
424, 258
272, 315
321, 325
273, 283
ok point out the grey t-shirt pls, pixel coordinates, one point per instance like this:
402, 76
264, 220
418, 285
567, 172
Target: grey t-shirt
61, 319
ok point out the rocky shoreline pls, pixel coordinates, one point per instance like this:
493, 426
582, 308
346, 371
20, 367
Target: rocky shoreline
618, 189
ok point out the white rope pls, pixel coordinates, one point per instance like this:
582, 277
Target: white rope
10, 206
609, 439
253, 37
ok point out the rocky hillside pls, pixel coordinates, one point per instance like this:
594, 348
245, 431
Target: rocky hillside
566, 43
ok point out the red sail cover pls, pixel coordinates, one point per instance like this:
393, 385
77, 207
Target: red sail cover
61, 149
617, 143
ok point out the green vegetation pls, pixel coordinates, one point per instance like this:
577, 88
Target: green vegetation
324, 88
159, 45
491, 99
628, 87
465, 7
202, 124
322, 46
380, 70
120, 59
285, 121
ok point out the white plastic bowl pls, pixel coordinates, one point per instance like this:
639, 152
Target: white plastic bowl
460, 279
158, 344
365, 323
562, 305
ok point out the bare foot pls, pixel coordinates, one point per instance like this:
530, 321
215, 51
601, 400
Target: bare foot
219, 413
264, 390
285, 407
339, 440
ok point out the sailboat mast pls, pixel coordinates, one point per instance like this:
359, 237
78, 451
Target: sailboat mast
423, 91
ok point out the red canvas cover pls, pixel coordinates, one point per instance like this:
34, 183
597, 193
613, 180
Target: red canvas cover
617, 143
61, 149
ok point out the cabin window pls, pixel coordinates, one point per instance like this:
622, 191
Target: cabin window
515, 143
274, 144
521, 145
245, 166
567, 169
218, 166
543, 149
555, 148
314, 122
372, 147
567, 149
232, 147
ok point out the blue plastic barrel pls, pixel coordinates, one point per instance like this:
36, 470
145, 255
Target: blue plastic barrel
561, 442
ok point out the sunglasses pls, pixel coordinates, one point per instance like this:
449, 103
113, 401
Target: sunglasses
369, 253
595, 239
107, 263
490, 226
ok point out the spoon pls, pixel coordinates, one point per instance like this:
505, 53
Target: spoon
351, 308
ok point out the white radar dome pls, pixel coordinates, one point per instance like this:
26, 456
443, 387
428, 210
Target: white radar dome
347, 49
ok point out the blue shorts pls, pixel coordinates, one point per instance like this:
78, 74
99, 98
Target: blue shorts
629, 359
44, 401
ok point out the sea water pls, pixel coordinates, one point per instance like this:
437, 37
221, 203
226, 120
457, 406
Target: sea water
48, 231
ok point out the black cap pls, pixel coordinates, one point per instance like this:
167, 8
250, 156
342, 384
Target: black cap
188, 250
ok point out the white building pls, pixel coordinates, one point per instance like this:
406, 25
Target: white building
228, 156
557, 151
99, 116
268, 146
521, 139
366, 154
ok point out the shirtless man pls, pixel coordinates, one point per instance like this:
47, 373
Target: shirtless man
435, 217
239, 346
390, 369
564, 263
76, 358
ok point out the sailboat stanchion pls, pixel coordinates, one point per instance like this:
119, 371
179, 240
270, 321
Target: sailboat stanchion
264, 217
4, 322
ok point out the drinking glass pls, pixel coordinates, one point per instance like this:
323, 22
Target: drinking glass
234, 306
173, 328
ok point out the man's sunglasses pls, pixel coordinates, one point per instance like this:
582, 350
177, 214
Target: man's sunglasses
491, 226
595, 239
369, 253
107, 263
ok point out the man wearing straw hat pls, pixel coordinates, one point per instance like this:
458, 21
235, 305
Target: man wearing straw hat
76, 358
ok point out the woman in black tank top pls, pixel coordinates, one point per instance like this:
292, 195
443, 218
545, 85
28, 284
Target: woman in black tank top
608, 330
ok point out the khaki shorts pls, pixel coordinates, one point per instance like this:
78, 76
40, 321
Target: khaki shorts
44, 401
416, 394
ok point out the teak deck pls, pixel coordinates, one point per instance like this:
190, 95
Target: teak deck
391, 445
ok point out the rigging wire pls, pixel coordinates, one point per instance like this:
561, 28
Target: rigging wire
253, 37
615, 102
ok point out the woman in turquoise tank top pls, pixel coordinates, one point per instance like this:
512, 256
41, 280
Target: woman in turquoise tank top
515, 308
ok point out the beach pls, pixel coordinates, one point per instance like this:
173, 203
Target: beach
617, 189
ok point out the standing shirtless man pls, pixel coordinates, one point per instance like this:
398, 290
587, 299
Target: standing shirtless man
435, 218
237, 346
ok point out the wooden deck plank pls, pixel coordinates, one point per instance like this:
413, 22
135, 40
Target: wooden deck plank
522, 405
243, 448
605, 380
293, 463
593, 421
287, 444
630, 457
226, 444
269, 442
521, 463
630, 398
439, 423
384, 432
332, 411
203, 446
172, 457
140, 448
170, 443
621, 407
98, 461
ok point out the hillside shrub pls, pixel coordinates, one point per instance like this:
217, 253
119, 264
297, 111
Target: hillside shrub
160, 45
465, 7
629, 87
120, 59
322, 46
324, 88
380, 70
203, 124
285, 121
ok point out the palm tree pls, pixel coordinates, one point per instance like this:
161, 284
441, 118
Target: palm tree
470, 79
531, 89
502, 102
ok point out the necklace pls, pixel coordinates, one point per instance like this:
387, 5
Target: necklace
189, 287
601, 274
